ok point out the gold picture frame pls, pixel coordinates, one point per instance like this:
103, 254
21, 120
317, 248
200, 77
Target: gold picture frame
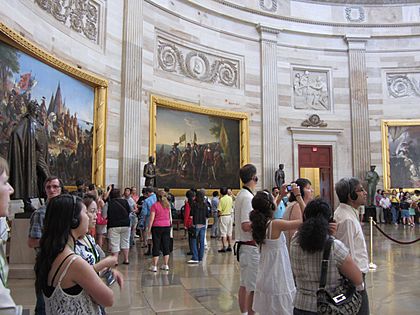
401, 154
99, 85
191, 108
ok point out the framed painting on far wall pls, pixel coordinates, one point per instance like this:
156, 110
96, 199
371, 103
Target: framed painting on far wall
72, 108
196, 146
401, 154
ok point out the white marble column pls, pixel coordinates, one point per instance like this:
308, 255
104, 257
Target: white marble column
359, 105
270, 109
130, 172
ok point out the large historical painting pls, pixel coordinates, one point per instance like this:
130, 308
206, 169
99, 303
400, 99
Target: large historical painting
66, 111
197, 147
401, 153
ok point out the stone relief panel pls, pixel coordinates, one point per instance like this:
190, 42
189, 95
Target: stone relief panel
196, 64
268, 5
403, 84
311, 89
82, 16
355, 14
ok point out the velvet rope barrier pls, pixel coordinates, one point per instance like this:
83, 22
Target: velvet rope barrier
393, 239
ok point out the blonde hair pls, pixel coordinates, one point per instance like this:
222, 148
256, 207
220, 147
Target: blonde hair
161, 197
4, 167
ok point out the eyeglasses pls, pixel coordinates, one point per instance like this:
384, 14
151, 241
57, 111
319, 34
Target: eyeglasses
360, 190
52, 186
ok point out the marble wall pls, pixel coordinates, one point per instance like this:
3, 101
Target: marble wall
271, 47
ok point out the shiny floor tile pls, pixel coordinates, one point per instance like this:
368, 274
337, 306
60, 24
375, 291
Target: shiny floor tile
212, 287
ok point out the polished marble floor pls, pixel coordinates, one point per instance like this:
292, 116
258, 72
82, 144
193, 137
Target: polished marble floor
211, 287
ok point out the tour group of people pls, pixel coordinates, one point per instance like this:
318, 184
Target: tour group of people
398, 207
280, 237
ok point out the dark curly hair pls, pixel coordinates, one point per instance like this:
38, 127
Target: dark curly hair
264, 207
313, 232
61, 211
302, 183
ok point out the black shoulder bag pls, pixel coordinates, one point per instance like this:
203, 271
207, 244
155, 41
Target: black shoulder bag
344, 299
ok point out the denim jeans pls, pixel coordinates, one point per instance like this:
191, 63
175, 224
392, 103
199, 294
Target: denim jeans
198, 244
394, 214
215, 226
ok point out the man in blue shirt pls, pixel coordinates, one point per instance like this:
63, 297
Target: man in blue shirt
147, 205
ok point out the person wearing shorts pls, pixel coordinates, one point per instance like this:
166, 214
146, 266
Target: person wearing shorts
247, 251
117, 211
225, 219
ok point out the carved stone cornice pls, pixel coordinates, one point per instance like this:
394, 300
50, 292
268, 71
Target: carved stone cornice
197, 64
82, 16
311, 22
267, 33
301, 130
357, 41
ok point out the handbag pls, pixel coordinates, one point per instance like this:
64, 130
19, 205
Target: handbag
100, 220
344, 299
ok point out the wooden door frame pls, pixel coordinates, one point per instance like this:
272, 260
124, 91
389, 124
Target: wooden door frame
331, 164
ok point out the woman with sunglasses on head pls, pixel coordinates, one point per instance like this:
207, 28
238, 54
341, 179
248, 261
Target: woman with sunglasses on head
306, 254
275, 288
69, 284
7, 305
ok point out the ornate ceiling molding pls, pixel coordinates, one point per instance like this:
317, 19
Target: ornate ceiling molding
369, 2
311, 22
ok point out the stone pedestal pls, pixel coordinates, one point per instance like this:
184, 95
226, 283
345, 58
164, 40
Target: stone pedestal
22, 258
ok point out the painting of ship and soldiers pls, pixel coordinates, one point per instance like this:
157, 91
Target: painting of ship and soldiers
196, 150
65, 110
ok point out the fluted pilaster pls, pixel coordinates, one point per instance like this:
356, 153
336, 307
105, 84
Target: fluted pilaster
359, 105
131, 93
270, 109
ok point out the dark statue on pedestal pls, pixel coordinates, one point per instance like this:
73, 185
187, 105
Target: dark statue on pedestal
279, 176
149, 172
28, 156
372, 179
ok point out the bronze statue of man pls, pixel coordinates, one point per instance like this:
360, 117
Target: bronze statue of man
149, 172
28, 155
372, 179
279, 176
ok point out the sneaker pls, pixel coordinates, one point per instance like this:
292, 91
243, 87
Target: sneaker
164, 267
229, 249
153, 269
223, 250
191, 261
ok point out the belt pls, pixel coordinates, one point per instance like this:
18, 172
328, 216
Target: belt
225, 215
238, 245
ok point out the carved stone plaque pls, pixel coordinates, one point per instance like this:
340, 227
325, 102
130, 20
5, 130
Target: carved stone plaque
196, 64
268, 5
311, 89
81, 16
403, 84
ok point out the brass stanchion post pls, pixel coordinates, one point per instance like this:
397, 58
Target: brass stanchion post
372, 266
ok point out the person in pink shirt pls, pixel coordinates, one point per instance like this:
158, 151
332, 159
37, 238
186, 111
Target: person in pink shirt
160, 228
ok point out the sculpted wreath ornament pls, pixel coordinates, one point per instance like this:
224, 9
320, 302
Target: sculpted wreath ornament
402, 86
196, 65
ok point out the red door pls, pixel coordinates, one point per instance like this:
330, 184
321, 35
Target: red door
315, 162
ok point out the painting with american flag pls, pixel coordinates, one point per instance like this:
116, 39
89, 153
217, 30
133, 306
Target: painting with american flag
197, 149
